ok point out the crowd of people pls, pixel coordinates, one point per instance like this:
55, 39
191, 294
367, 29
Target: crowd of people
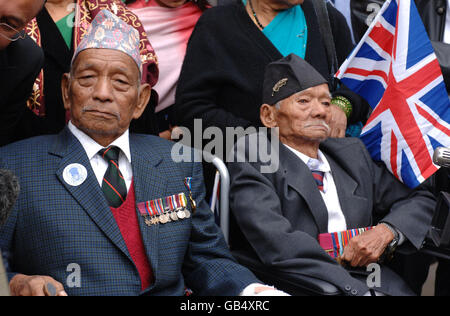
91, 94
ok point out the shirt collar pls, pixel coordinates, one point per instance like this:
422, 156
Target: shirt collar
320, 164
91, 147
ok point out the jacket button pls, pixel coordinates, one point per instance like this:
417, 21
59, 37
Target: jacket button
348, 288
440, 10
354, 292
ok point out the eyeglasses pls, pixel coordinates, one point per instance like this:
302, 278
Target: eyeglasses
10, 33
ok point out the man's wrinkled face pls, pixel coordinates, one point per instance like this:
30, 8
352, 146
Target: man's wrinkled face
305, 115
17, 14
103, 93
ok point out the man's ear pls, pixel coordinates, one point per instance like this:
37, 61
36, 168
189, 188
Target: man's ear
268, 116
65, 83
144, 98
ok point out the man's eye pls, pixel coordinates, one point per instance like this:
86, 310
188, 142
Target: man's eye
121, 81
121, 84
86, 79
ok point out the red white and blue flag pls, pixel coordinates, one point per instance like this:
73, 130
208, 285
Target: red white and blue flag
395, 69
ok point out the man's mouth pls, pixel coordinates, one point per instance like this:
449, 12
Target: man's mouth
319, 125
102, 114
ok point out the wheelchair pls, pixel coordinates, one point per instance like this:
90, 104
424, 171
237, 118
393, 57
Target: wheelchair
437, 243
296, 285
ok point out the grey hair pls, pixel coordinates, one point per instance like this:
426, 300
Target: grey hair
9, 192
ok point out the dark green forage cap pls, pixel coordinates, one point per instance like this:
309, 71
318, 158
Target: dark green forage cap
288, 76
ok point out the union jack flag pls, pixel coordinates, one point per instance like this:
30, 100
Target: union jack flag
395, 69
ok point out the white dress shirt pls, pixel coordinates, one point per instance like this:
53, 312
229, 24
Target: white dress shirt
447, 25
99, 164
336, 218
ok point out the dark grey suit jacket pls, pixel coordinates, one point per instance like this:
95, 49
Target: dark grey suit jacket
74, 224
280, 215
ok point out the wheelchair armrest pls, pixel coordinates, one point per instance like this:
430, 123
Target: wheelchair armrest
293, 284
440, 226
431, 249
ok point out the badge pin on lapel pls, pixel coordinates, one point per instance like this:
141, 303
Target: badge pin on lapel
188, 184
75, 174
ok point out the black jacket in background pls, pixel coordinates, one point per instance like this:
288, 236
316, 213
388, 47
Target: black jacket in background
222, 76
433, 14
20, 64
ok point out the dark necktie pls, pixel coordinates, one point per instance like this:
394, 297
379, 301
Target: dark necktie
318, 177
113, 185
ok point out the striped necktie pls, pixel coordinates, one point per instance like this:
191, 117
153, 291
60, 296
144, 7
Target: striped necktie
113, 185
318, 177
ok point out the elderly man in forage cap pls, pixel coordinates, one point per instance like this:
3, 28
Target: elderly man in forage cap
106, 212
322, 186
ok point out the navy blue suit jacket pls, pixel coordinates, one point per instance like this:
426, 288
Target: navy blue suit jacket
54, 224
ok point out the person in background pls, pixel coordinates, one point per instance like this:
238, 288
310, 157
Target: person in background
435, 15
58, 29
20, 62
436, 18
169, 25
343, 6
222, 74
221, 78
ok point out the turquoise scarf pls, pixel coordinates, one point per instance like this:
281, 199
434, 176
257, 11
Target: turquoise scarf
288, 31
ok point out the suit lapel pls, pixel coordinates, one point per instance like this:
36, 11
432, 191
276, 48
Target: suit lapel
149, 184
352, 205
299, 177
89, 194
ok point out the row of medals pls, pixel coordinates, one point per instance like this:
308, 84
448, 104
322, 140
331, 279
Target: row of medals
168, 216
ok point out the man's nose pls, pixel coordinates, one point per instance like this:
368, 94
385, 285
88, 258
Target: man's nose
320, 110
103, 90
